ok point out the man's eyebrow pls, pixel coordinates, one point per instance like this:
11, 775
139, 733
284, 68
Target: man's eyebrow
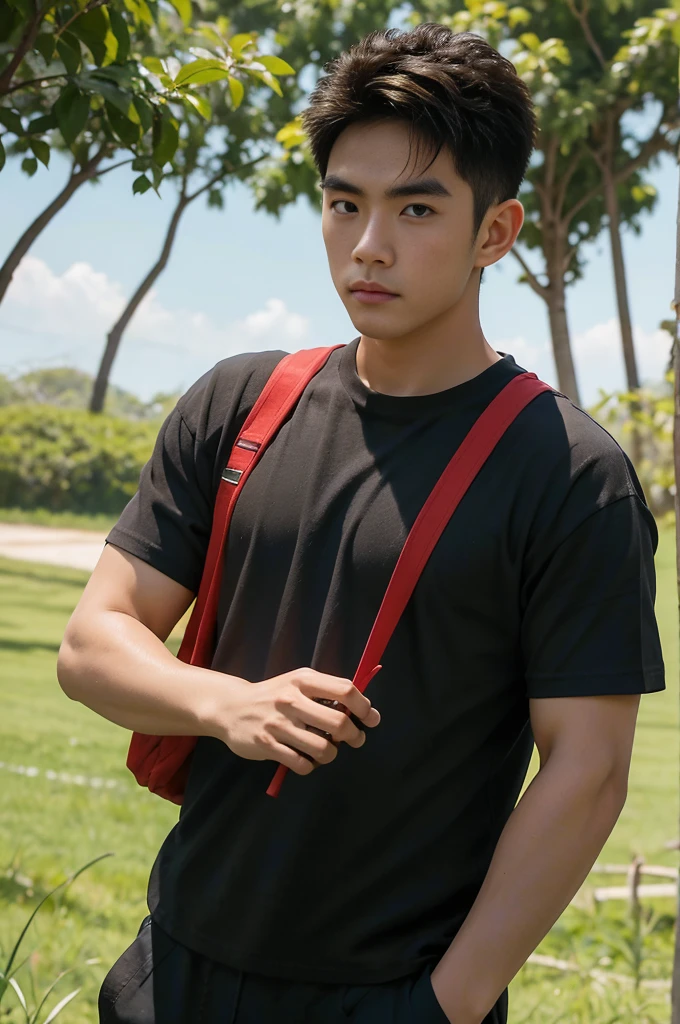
417, 187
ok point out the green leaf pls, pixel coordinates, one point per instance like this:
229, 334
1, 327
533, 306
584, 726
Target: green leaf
42, 124
292, 134
144, 112
239, 42
127, 131
41, 150
200, 103
141, 185
140, 12
236, 89
11, 120
44, 44
165, 139
273, 83
30, 165
183, 8
276, 65
198, 72
215, 198
71, 110
154, 65
68, 48
92, 28
121, 33
3, 157
99, 85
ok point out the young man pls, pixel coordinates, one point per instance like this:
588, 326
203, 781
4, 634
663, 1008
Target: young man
393, 881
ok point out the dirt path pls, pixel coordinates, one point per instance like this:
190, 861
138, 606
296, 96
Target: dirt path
78, 549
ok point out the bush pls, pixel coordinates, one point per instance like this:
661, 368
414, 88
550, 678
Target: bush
647, 412
70, 459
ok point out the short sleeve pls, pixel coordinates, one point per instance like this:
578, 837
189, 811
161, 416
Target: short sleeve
167, 522
588, 621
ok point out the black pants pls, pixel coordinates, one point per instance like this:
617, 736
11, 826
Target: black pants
159, 981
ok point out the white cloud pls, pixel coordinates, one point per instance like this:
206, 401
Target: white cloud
63, 318
598, 356
81, 304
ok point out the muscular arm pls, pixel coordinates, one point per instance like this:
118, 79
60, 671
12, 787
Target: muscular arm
113, 657
546, 850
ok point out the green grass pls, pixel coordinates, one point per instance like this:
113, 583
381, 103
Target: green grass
69, 520
48, 828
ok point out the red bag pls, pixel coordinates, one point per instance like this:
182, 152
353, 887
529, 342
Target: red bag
162, 762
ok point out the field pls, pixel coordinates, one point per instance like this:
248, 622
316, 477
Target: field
66, 797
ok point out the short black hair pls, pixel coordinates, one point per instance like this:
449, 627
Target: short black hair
453, 88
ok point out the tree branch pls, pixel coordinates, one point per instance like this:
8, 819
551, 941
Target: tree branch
531, 277
566, 178
230, 169
33, 81
106, 170
655, 143
88, 7
582, 17
568, 258
22, 49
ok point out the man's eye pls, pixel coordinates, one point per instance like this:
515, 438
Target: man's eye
335, 202
419, 210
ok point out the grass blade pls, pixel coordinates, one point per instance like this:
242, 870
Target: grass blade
60, 1006
61, 885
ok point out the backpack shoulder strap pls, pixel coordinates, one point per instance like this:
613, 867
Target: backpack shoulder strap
277, 399
444, 498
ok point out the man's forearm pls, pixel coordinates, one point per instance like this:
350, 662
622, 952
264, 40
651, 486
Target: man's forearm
544, 854
124, 672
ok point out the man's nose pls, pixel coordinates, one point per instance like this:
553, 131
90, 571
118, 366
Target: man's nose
374, 244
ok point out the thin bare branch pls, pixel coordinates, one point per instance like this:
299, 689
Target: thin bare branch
121, 163
229, 169
655, 144
88, 7
33, 81
569, 172
569, 257
582, 17
531, 277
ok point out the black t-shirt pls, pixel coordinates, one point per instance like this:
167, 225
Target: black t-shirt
542, 585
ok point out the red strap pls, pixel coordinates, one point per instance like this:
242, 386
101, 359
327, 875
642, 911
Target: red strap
162, 762
433, 517
279, 396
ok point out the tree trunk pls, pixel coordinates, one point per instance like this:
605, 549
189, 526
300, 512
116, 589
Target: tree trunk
632, 378
561, 339
675, 991
40, 223
115, 335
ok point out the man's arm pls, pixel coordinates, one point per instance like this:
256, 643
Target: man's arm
548, 846
114, 660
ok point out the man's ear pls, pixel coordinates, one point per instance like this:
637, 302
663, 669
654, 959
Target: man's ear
498, 232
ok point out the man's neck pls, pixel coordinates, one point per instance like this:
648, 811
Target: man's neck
431, 360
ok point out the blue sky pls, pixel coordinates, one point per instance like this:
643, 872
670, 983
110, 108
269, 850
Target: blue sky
243, 281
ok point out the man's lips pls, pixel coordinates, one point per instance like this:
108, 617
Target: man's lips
370, 293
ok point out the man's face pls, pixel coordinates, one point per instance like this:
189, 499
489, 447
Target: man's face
416, 244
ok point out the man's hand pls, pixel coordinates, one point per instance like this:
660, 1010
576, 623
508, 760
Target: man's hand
281, 719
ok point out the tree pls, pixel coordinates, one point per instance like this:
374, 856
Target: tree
195, 157
92, 106
675, 989
630, 72
562, 194
259, 134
